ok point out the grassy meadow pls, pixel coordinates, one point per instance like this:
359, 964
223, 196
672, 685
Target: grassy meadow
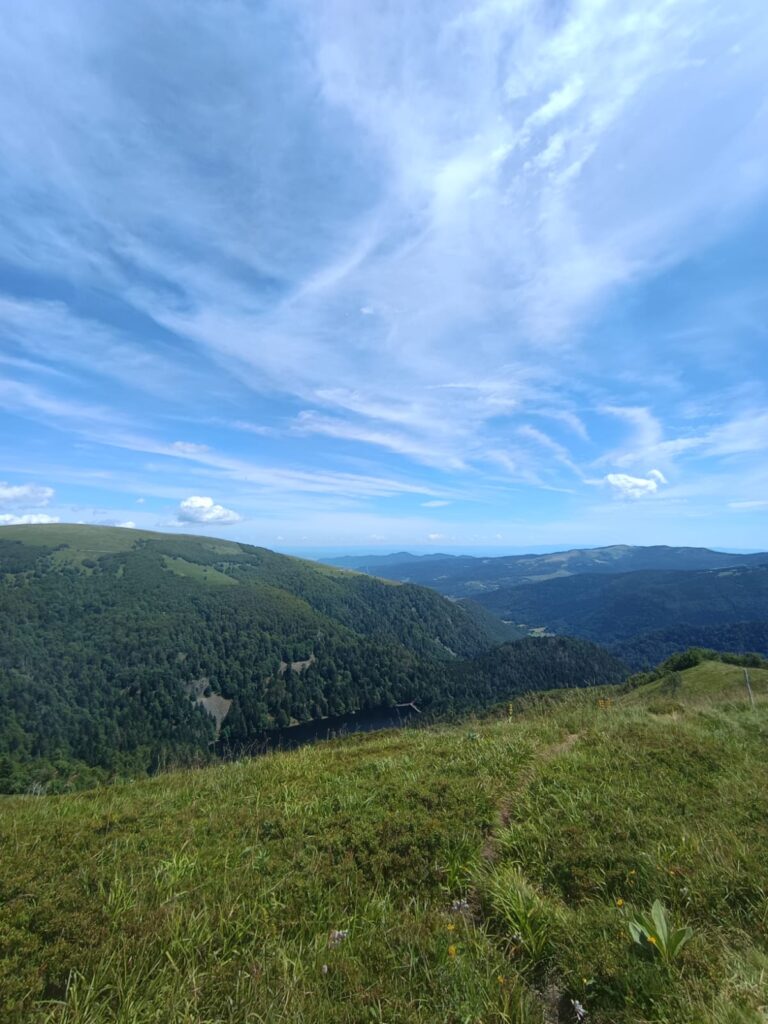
482, 872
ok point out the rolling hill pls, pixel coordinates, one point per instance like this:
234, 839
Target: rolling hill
469, 576
483, 871
123, 650
618, 607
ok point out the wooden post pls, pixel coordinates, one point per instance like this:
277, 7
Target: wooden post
749, 688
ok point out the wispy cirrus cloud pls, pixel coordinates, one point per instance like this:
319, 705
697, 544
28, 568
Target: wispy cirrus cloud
467, 248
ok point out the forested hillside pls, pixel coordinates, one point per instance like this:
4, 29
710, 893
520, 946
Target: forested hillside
647, 649
612, 608
113, 638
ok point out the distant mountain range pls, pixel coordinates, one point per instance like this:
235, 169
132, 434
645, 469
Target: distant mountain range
469, 575
642, 602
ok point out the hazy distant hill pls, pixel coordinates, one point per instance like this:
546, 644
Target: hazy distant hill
118, 645
468, 575
370, 563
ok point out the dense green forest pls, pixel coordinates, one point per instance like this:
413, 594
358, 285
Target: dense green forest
648, 649
614, 608
110, 636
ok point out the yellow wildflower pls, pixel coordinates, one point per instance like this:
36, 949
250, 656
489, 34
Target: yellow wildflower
451, 951
619, 902
451, 927
501, 979
652, 939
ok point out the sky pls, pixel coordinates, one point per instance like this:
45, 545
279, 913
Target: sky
332, 274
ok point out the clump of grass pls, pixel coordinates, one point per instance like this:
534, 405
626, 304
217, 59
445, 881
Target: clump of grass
527, 920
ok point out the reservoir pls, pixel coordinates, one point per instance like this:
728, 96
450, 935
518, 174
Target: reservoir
293, 736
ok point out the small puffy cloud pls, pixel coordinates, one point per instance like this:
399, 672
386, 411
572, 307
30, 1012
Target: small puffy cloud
24, 494
635, 486
201, 509
435, 536
31, 519
140, 501
434, 504
127, 525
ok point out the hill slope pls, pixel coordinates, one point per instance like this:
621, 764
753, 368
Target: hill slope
114, 642
647, 649
468, 576
616, 607
486, 871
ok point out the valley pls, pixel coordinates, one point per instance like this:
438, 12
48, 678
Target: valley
643, 603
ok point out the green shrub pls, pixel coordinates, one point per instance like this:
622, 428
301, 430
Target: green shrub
656, 933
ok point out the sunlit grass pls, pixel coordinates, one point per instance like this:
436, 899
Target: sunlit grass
481, 872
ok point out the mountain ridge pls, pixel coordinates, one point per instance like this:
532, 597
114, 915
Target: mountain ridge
470, 575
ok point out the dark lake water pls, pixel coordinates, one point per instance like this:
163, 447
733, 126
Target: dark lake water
332, 728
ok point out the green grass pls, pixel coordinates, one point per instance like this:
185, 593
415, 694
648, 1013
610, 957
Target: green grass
710, 680
195, 571
83, 540
209, 896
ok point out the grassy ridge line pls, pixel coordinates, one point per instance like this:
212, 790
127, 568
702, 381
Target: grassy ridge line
210, 896
86, 541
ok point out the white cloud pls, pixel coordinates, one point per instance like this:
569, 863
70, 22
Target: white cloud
30, 519
24, 494
434, 504
201, 509
635, 486
127, 525
435, 536
748, 504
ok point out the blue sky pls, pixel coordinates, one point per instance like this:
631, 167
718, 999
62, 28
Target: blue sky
327, 273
